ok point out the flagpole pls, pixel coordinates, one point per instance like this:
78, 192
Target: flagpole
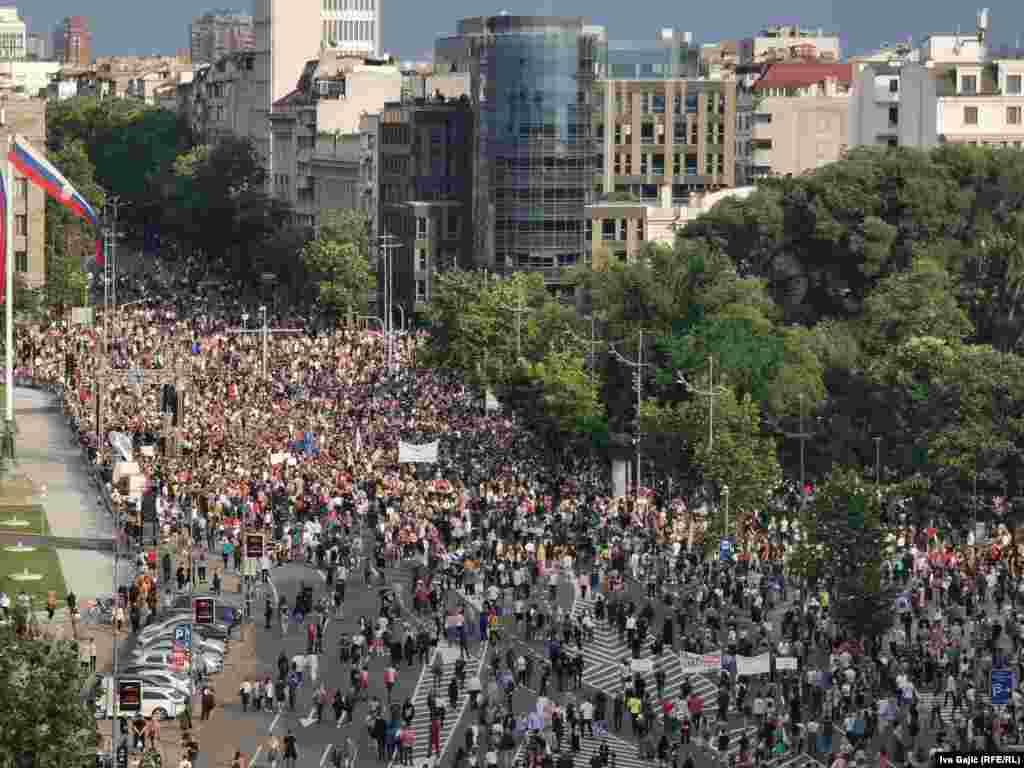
9, 298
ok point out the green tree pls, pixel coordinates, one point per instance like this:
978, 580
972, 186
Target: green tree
40, 696
338, 262
741, 457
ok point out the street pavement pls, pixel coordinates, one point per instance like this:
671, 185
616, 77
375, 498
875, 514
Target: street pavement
47, 456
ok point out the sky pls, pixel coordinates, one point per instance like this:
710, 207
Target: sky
410, 26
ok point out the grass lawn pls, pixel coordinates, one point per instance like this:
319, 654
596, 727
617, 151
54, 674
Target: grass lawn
33, 513
44, 561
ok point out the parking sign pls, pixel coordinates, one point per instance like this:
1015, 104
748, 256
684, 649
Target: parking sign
1002, 684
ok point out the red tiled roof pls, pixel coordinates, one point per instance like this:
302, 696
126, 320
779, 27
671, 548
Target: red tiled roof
800, 74
285, 100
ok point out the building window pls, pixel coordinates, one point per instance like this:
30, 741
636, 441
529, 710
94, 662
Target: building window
588, 230
453, 225
21, 225
677, 104
643, 163
894, 115
21, 261
645, 102
421, 289
677, 164
623, 228
659, 104
608, 229
629, 163
894, 85
421, 226
721, 133
968, 84
421, 259
693, 133
892, 141
970, 115
21, 188
1013, 85
1013, 115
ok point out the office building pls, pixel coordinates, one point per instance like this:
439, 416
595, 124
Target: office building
13, 35
27, 117
534, 152
28, 77
72, 42
352, 27
217, 33
794, 119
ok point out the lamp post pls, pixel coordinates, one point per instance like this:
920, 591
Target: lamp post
386, 244
591, 345
519, 310
725, 496
638, 366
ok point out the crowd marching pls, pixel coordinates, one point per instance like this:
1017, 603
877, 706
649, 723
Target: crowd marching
310, 453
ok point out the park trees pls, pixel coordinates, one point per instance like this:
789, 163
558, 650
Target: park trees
40, 695
337, 260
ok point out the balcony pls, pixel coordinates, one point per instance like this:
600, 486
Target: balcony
761, 131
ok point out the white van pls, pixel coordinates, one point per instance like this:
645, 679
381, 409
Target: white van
161, 703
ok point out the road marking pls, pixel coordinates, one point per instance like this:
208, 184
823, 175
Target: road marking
274, 722
256, 755
323, 757
308, 721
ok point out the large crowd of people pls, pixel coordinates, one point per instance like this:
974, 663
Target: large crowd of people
312, 444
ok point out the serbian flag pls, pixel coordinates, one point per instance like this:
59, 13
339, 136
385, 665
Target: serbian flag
3, 237
34, 166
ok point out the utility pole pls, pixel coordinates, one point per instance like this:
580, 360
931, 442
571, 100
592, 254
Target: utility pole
113, 206
265, 332
386, 245
638, 366
519, 310
710, 393
591, 345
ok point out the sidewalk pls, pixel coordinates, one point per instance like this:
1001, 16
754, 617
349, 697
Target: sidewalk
63, 486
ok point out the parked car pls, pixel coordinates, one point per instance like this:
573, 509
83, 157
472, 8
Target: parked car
161, 703
206, 662
169, 678
166, 644
198, 640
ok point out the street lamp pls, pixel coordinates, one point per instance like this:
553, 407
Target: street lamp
710, 393
725, 496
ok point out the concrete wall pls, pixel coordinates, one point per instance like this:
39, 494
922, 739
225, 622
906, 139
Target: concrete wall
806, 131
366, 92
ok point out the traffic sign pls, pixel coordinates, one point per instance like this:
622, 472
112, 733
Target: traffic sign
725, 550
183, 635
1002, 684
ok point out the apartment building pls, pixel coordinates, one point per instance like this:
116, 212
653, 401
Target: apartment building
352, 27
72, 41
331, 97
666, 134
780, 42
617, 231
28, 77
13, 35
37, 47
426, 191
893, 104
793, 119
27, 116
218, 33
980, 95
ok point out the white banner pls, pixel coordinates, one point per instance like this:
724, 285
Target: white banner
783, 663
700, 664
408, 453
754, 665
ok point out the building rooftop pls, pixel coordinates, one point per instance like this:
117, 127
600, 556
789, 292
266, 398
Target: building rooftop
803, 74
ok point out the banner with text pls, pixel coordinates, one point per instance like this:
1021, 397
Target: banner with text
754, 665
700, 663
409, 453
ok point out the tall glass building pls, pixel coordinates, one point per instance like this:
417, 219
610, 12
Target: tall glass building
535, 153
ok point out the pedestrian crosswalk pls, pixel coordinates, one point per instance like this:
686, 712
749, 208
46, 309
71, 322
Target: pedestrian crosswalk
604, 655
928, 700
787, 760
429, 683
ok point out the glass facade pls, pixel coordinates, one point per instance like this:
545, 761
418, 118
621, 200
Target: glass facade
537, 154
647, 63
